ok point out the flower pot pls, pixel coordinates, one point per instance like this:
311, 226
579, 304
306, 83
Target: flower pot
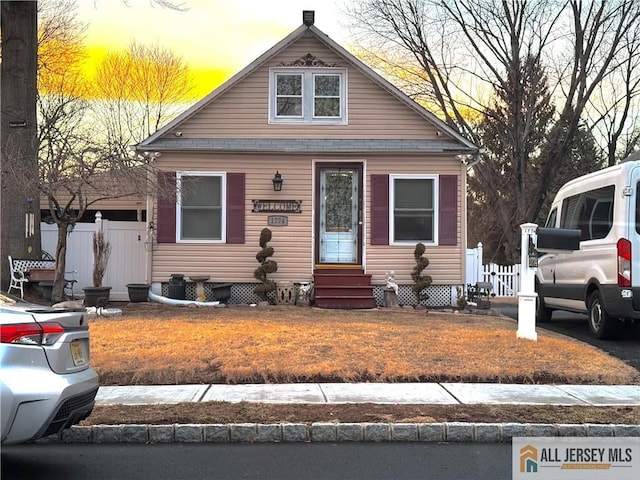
177, 287
222, 291
285, 293
46, 288
138, 292
96, 296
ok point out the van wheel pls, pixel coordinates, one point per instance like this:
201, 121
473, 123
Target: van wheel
601, 324
543, 314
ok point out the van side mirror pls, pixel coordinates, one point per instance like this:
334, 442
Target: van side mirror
558, 239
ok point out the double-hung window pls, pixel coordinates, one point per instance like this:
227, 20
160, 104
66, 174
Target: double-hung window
413, 209
201, 209
288, 95
301, 95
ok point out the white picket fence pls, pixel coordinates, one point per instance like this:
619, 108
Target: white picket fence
127, 261
505, 279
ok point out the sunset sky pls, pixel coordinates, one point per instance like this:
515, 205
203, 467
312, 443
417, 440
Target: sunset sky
216, 38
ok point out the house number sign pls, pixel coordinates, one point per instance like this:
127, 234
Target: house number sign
277, 206
277, 220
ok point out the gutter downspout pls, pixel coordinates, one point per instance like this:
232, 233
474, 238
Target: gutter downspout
468, 166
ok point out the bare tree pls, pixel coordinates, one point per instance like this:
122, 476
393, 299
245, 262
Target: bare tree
79, 166
18, 137
614, 109
462, 50
139, 91
60, 38
76, 168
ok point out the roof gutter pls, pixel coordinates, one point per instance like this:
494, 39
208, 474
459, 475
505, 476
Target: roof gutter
476, 157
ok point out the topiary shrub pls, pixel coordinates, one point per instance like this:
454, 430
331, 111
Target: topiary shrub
266, 267
421, 282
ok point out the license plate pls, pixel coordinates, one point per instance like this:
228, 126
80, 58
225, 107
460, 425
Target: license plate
77, 353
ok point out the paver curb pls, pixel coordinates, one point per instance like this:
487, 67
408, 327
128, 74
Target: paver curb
454, 432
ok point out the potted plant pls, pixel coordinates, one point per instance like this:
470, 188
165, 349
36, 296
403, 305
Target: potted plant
138, 292
98, 295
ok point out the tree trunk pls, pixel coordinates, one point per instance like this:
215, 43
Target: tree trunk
18, 138
61, 261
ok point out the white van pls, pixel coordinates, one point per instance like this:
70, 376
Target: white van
602, 278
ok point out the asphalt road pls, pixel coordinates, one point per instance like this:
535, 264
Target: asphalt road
370, 461
574, 325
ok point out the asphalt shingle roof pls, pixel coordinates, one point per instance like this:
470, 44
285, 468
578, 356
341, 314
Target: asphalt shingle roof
305, 145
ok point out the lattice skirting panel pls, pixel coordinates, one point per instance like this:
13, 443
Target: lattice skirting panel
439, 295
242, 293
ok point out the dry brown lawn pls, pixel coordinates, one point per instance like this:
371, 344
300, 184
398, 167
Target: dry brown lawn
160, 344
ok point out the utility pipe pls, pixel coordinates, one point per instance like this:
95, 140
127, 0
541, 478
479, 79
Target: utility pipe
174, 301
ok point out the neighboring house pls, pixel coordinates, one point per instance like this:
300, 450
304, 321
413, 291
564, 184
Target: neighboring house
366, 174
119, 206
124, 224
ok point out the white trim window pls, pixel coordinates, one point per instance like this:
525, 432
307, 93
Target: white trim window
201, 207
413, 209
314, 95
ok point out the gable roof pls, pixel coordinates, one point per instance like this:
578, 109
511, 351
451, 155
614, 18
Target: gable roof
459, 144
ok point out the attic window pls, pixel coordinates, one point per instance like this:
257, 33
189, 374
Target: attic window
307, 95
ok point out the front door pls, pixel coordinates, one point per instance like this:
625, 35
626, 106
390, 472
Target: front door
339, 216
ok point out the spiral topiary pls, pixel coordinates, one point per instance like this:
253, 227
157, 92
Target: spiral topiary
421, 281
266, 267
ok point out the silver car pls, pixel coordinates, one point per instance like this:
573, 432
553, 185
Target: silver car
46, 383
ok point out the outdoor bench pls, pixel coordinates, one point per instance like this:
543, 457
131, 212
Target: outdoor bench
480, 294
28, 270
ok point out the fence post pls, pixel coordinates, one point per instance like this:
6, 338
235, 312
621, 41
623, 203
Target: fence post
527, 295
98, 221
479, 265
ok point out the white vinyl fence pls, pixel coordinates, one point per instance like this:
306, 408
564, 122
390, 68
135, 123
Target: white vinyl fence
505, 279
127, 261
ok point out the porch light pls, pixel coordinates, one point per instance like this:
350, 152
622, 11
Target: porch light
277, 182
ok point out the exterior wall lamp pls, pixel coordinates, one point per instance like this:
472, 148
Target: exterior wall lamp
277, 182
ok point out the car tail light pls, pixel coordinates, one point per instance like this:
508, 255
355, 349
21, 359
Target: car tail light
31, 333
624, 263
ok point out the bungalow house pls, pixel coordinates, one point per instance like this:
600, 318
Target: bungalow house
347, 172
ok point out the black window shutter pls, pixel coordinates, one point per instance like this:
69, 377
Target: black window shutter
235, 207
448, 210
379, 209
166, 223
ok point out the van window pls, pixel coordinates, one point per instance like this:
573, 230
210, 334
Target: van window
590, 212
551, 220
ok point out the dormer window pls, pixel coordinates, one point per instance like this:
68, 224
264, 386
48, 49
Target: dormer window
301, 95
288, 95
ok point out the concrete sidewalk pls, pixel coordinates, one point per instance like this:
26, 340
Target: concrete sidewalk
340, 393
382, 393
